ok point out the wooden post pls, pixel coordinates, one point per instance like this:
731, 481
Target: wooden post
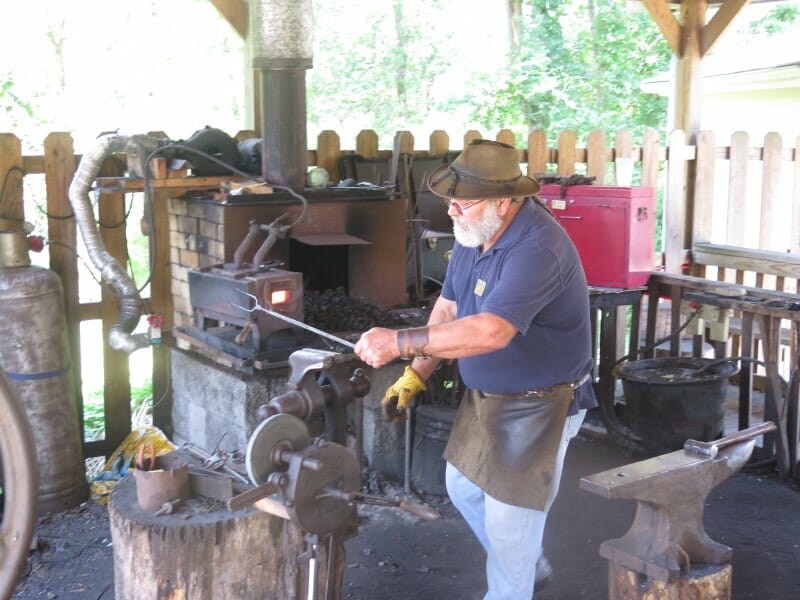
116, 370
404, 142
328, 153
537, 153
596, 160
11, 162
472, 134
439, 142
674, 206
367, 143
704, 187
567, 143
59, 166
737, 188
651, 158
771, 213
795, 235
161, 303
507, 137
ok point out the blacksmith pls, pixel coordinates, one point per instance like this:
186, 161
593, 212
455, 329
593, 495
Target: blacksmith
514, 311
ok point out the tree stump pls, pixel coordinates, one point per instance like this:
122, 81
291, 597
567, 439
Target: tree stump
709, 582
200, 553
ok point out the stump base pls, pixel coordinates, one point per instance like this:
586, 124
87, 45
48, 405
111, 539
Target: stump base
709, 582
206, 551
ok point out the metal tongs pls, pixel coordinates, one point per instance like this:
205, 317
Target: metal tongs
291, 321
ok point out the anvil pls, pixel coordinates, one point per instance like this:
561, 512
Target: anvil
670, 491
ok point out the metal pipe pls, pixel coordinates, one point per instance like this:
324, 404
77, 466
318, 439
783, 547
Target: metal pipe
282, 50
284, 154
274, 231
119, 337
407, 453
312, 571
252, 234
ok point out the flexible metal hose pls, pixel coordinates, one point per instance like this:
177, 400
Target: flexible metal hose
119, 337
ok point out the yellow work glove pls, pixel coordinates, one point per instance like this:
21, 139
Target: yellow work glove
400, 394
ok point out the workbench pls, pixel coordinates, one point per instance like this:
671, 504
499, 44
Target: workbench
752, 306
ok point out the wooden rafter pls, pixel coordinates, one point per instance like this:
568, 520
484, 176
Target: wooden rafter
670, 28
235, 12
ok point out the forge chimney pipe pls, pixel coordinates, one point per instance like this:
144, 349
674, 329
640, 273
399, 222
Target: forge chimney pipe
284, 143
282, 51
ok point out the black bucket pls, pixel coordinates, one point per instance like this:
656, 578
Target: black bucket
431, 430
668, 402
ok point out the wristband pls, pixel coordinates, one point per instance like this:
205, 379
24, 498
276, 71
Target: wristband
411, 342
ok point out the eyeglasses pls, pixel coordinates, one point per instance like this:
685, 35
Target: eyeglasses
461, 206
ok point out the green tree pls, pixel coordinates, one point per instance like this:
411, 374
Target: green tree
379, 65
578, 65
777, 20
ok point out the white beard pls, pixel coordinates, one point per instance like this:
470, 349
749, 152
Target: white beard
476, 234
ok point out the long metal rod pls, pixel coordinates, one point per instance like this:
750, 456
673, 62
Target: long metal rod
312, 573
407, 453
295, 322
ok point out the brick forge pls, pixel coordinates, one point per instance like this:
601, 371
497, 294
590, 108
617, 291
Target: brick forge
197, 239
214, 403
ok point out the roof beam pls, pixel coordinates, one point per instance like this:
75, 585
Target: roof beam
670, 27
235, 12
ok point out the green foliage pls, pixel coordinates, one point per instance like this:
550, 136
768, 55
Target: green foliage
578, 66
10, 103
778, 20
382, 66
94, 413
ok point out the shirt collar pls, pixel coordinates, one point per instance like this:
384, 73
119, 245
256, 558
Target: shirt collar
517, 226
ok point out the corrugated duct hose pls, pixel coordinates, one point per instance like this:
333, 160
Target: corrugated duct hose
136, 147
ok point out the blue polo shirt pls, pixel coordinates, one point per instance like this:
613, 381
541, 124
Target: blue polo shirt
533, 278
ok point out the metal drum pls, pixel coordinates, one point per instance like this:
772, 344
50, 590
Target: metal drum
668, 401
35, 355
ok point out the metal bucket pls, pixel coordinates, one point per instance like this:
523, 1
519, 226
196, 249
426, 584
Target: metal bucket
432, 427
667, 402
35, 355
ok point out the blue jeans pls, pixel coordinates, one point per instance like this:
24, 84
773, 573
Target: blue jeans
510, 535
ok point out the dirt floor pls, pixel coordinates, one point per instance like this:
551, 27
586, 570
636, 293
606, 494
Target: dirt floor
397, 556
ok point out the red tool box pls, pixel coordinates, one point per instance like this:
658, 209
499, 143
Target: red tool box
612, 227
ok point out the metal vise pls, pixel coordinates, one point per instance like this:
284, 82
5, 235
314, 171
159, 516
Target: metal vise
320, 386
670, 491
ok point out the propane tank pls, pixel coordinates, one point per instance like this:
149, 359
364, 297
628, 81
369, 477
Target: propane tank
35, 355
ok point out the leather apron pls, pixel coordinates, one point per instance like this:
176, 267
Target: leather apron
507, 444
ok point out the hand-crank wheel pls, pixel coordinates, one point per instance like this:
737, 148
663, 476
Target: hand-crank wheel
315, 495
278, 431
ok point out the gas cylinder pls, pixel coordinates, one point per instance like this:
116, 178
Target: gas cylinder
35, 355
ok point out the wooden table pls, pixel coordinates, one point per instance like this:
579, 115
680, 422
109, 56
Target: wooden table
766, 309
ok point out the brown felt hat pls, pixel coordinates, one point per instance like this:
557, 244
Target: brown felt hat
485, 169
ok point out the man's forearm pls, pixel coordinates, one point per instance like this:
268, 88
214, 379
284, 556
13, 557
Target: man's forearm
469, 336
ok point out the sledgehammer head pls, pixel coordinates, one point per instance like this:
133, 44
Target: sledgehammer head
711, 449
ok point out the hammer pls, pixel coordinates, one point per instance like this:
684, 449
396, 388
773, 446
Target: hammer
711, 449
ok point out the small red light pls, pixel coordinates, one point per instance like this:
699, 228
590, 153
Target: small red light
280, 296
